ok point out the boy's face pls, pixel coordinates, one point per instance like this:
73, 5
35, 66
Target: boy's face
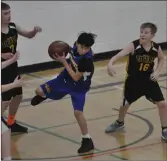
146, 35
5, 16
81, 49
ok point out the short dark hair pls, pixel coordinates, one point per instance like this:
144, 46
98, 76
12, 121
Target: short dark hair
150, 25
4, 6
86, 39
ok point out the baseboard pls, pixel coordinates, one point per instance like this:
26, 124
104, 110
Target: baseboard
53, 64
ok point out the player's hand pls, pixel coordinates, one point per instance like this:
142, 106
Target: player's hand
16, 56
154, 76
61, 59
37, 29
18, 82
110, 70
7, 56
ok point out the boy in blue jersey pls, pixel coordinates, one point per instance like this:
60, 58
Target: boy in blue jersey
74, 80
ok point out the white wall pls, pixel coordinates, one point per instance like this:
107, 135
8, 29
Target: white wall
115, 23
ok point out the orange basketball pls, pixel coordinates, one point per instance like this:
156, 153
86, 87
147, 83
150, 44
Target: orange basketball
58, 47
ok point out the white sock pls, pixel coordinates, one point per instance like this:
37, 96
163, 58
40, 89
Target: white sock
7, 158
86, 136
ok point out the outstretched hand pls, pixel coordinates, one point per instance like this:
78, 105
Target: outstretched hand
110, 70
37, 29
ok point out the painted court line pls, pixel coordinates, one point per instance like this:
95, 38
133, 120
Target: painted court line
120, 150
90, 120
149, 132
102, 85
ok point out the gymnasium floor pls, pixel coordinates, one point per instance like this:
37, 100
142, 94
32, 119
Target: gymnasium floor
54, 134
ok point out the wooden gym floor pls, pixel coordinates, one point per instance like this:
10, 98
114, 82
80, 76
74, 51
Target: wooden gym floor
54, 133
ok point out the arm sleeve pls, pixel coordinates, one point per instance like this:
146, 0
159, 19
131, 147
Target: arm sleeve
85, 65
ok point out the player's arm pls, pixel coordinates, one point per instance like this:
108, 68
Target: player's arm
7, 87
74, 75
17, 83
7, 63
10, 61
85, 65
160, 61
127, 50
6, 56
28, 34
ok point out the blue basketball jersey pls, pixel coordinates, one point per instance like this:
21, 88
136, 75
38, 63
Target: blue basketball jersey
81, 63
63, 84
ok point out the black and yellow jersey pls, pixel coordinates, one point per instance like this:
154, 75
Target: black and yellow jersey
141, 62
9, 43
9, 40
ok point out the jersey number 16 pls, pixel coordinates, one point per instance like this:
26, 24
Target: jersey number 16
144, 67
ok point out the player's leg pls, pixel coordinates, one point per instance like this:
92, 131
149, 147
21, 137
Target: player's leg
15, 98
154, 94
13, 108
78, 101
4, 106
43, 92
39, 97
132, 91
162, 107
6, 142
54, 89
5, 131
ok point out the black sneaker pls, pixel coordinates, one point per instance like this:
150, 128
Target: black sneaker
18, 128
15, 127
37, 100
86, 146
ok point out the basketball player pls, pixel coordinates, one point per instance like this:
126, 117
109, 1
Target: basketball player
6, 132
74, 80
141, 78
9, 35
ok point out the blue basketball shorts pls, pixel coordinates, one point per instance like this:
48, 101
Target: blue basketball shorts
58, 87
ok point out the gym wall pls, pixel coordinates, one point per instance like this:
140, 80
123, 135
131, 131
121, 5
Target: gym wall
115, 23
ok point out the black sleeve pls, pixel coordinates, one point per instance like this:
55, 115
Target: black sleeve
85, 65
12, 24
136, 43
156, 45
